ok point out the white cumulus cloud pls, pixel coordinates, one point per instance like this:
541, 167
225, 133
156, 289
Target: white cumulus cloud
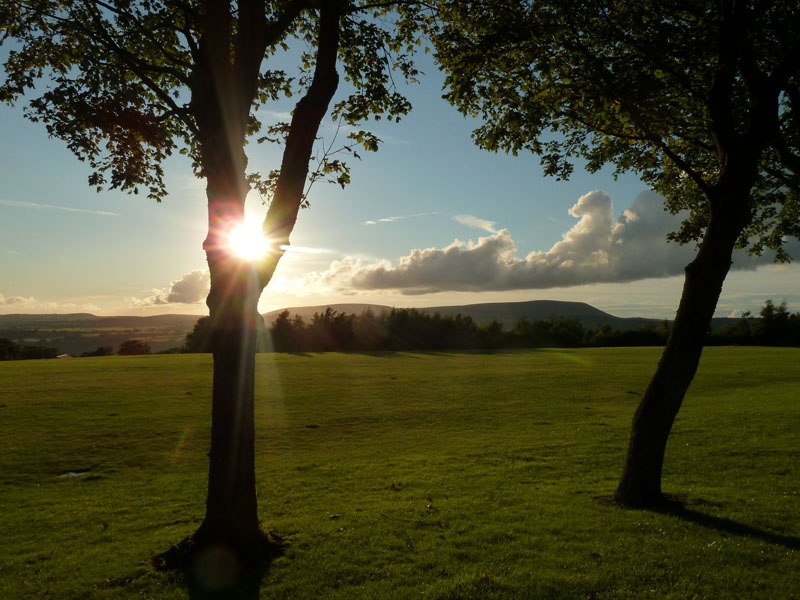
597, 249
189, 289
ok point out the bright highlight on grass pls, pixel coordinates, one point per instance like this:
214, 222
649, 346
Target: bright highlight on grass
248, 242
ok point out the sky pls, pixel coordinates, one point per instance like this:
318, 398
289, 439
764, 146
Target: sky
429, 220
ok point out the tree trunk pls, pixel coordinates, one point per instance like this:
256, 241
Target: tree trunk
231, 520
231, 508
640, 485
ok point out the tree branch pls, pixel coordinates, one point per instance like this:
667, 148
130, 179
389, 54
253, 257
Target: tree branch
789, 159
143, 31
105, 39
720, 96
307, 116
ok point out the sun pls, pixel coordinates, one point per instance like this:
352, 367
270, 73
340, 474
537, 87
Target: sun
248, 242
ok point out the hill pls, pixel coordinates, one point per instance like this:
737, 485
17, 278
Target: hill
507, 313
83, 332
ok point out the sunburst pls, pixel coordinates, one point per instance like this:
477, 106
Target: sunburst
248, 242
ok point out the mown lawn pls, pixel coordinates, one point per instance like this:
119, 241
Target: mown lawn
443, 476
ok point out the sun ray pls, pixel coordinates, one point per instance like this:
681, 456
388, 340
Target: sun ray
248, 242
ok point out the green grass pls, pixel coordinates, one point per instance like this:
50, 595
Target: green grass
443, 476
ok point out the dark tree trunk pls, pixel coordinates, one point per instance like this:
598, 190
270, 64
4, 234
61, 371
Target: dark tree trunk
231, 509
231, 521
640, 485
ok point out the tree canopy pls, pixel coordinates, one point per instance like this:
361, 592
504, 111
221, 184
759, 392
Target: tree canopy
120, 81
662, 89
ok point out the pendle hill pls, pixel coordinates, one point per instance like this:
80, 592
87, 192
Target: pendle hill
83, 332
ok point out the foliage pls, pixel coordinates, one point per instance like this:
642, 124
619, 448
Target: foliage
407, 476
131, 347
669, 90
412, 329
101, 351
11, 350
117, 79
775, 326
199, 338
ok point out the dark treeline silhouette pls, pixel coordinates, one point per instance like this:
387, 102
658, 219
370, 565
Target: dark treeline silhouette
775, 326
199, 338
11, 350
101, 351
411, 329
133, 347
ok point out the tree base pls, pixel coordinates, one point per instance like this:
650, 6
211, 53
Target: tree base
647, 501
214, 569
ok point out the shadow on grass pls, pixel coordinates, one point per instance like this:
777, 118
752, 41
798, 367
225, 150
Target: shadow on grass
730, 526
677, 507
215, 572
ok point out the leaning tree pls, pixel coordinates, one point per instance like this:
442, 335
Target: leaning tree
126, 82
698, 97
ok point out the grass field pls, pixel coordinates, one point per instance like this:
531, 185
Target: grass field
443, 476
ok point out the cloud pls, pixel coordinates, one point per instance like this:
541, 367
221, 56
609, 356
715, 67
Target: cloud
29, 304
37, 206
597, 249
16, 300
275, 115
475, 222
189, 289
393, 219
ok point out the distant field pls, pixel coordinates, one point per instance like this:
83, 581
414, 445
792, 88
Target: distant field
443, 476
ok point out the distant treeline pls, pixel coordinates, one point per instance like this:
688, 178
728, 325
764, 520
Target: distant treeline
11, 350
411, 329
774, 326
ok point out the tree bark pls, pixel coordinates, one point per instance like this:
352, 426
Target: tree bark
231, 519
231, 507
640, 485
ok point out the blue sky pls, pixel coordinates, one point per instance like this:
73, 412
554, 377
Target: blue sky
428, 220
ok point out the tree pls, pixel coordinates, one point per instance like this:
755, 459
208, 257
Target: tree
9, 349
772, 327
199, 338
282, 333
131, 347
127, 82
100, 351
700, 98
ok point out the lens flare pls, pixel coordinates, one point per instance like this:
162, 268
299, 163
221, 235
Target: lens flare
248, 242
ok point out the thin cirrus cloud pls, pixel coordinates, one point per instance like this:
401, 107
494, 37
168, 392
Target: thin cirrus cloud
395, 219
471, 221
596, 249
38, 206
